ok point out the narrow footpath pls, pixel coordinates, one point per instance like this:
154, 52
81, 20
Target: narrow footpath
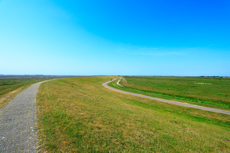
17, 121
168, 101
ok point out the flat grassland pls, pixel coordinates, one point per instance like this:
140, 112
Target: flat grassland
211, 91
80, 115
11, 87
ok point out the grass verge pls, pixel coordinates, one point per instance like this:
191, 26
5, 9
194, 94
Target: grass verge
9, 88
214, 103
80, 115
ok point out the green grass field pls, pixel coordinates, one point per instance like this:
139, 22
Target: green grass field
80, 115
10, 87
210, 92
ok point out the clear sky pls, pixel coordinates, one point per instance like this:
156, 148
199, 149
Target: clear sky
115, 37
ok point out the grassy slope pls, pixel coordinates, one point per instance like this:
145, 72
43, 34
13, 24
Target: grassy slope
11, 87
215, 95
80, 115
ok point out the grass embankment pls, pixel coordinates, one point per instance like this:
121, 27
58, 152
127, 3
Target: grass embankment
11, 87
210, 92
80, 115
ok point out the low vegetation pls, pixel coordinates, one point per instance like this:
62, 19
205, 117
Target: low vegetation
210, 92
80, 115
11, 87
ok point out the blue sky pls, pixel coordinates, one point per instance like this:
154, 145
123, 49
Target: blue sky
108, 37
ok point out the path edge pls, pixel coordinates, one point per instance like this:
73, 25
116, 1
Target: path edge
105, 84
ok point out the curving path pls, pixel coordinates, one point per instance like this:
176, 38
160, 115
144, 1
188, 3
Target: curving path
17, 121
168, 101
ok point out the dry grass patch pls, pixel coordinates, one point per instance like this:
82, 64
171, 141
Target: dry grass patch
9, 96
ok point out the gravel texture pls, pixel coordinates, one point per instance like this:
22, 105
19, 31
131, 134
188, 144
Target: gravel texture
17, 121
168, 101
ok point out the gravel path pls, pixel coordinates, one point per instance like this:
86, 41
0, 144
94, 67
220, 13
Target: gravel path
17, 121
168, 101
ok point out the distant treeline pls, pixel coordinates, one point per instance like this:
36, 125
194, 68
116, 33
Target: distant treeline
38, 76
174, 76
